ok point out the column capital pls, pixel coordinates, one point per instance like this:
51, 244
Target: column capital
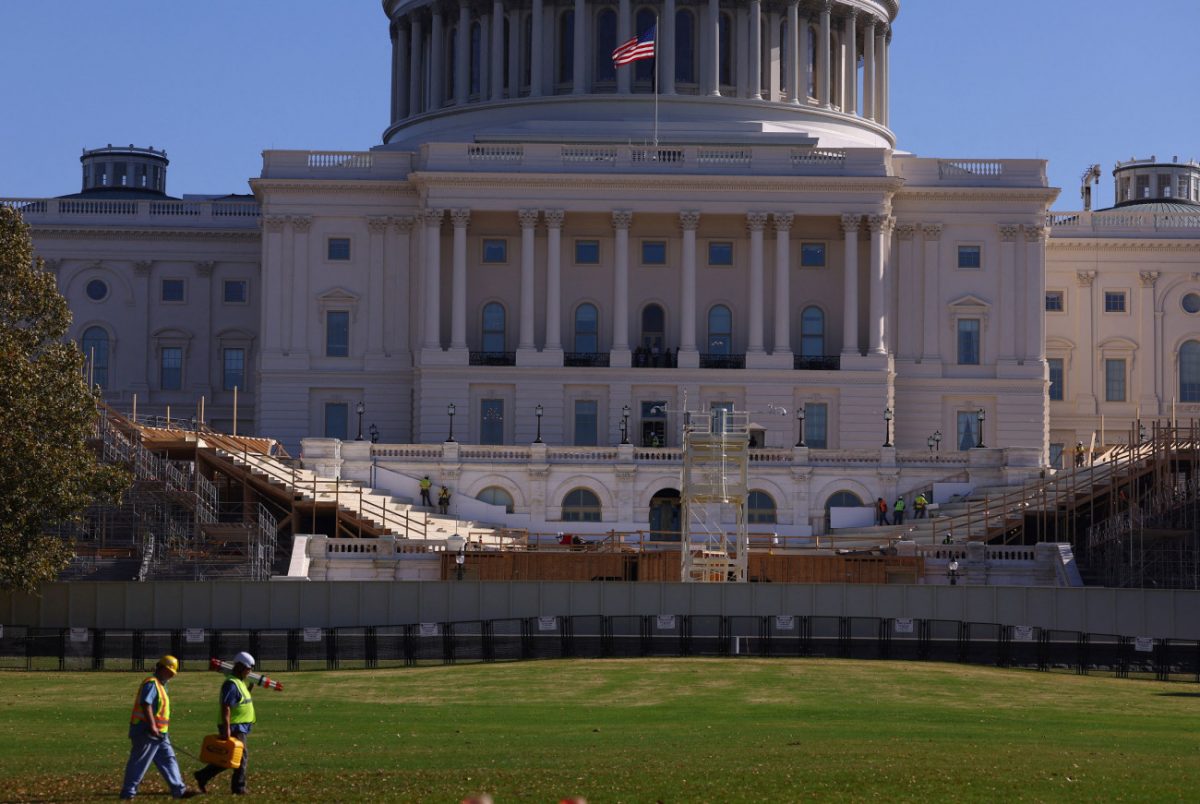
756, 221
1085, 278
205, 268
905, 231
824, 6
300, 223
528, 218
622, 218
403, 223
1008, 232
689, 220
432, 217
1149, 278
141, 267
851, 223
554, 218
932, 231
460, 217
879, 223
378, 224
783, 221
1035, 233
273, 223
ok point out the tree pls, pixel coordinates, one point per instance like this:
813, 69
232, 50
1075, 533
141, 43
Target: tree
48, 473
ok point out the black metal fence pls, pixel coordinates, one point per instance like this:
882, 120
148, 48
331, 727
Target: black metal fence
595, 637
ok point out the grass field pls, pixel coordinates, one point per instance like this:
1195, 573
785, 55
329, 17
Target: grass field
635, 730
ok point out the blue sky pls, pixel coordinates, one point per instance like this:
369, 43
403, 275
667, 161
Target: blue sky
218, 82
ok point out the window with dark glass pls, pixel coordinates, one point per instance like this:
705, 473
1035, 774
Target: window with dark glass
235, 368
1114, 301
720, 330
968, 429
95, 352
725, 48
587, 252
338, 248
171, 368
566, 47
494, 495
587, 329
97, 290
337, 333
812, 255
172, 290
493, 328
235, 291
812, 332
653, 329
654, 252
1189, 372
720, 253
606, 43
968, 341
685, 47
585, 423
476, 38
816, 425
495, 250
760, 509
337, 420
1114, 380
581, 505
1054, 301
491, 421
654, 423
970, 257
1056, 377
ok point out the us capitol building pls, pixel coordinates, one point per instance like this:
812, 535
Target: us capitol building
546, 264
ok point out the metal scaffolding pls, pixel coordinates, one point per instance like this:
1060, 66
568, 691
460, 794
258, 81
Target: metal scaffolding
715, 459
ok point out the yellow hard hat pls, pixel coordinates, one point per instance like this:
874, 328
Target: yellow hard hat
170, 662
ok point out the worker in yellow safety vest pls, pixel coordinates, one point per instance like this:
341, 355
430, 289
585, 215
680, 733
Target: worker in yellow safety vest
235, 720
148, 725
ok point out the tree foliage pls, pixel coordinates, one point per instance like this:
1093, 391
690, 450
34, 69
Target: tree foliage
48, 473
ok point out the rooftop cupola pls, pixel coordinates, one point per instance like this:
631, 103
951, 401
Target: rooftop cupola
124, 167
1148, 181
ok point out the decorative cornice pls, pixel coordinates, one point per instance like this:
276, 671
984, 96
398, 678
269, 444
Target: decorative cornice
635, 184
528, 218
105, 233
1085, 278
926, 193
1121, 244
783, 221
622, 218
756, 221
689, 220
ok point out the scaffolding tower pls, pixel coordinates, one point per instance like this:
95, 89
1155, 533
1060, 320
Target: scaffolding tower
715, 458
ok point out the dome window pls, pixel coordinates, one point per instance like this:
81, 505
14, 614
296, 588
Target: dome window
1191, 303
97, 290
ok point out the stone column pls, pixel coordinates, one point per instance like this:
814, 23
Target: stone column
712, 42
1035, 292
397, 281
377, 227
793, 49
754, 57
538, 61
497, 62
1147, 395
931, 236
416, 45
824, 58
399, 79
689, 222
880, 102
485, 54
458, 288
437, 60
433, 279
756, 222
514, 53
879, 226
622, 219
783, 290
906, 337
1085, 319
850, 82
850, 226
666, 67
1008, 292
624, 26
775, 63
554, 222
868, 101
528, 219
299, 286
579, 67
462, 54
272, 282
885, 92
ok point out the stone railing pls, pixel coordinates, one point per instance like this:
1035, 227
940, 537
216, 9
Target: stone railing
1073, 223
918, 172
378, 165
172, 213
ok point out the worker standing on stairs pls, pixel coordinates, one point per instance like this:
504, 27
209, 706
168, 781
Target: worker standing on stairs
919, 505
898, 511
1080, 453
881, 512
426, 485
444, 501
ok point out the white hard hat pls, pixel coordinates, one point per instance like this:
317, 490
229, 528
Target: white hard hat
244, 658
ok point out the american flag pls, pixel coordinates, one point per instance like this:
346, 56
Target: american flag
639, 47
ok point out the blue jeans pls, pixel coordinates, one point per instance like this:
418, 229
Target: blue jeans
145, 750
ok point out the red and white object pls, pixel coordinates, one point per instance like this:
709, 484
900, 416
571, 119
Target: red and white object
255, 679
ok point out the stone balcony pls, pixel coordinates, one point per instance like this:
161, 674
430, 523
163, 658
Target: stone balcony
1124, 223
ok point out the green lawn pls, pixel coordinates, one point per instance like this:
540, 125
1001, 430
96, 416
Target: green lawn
636, 730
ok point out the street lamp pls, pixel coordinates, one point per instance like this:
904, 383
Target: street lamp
800, 421
625, 424
952, 572
360, 409
1141, 433
929, 443
980, 415
888, 415
450, 413
937, 440
538, 411
374, 433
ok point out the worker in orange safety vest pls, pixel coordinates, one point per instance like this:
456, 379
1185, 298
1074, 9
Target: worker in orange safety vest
149, 723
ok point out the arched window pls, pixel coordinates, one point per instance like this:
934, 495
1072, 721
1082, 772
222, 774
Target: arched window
580, 505
476, 67
685, 47
566, 47
1189, 372
606, 43
720, 330
587, 329
653, 328
760, 508
725, 48
493, 328
494, 495
643, 70
95, 351
812, 332
843, 499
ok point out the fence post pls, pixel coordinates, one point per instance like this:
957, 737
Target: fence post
606, 635
97, 648
923, 639
137, 651
331, 649
843, 639
254, 646
1082, 653
487, 636
567, 636
370, 648
293, 649
885, 638
62, 649
410, 657
214, 642
448, 643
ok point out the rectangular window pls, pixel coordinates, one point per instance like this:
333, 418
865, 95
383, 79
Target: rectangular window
495, 251
235, 368
719, 419
337, 333
968, 341
172, 290
338, 248
1114, 380
491, 421
337, 420
171, 376
585, 423
816, 425
654, 252
587, 252
968, 429
720, 253
236, 291
970, 256
812, 255
1056, 378
1114, 301
654, 424
1054, 301
1056, 456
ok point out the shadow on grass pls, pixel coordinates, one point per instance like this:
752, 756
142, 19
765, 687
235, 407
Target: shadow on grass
1178, 694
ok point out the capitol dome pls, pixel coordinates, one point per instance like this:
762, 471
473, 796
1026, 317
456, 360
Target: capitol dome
526, 71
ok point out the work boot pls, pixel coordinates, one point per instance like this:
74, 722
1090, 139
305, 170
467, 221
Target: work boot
202, 784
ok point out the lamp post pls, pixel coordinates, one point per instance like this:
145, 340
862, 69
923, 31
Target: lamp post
1141, 433
937, 440
888, 415
800, 421
980, 415
929, 443
952, 572
450, 413
360, 409
373, 431
625, 424
538, 411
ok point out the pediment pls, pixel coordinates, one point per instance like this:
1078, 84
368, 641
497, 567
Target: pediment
338, 296
970, 302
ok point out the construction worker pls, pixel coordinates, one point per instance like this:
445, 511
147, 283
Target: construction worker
1080, 453
236, 720
444, 501
919, 505
426, 485
148, 724
898, 511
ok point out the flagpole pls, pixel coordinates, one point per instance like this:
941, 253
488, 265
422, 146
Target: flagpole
656, 76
